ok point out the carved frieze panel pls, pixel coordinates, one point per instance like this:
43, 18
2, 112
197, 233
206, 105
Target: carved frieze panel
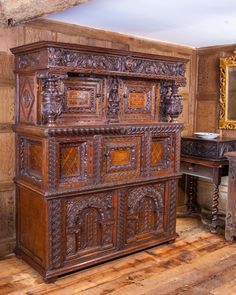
84, 97
30, 157
121, 158
27, 100
139, 100
62, 57
90, 224
145, 215
30, 60
73, 161
206, 149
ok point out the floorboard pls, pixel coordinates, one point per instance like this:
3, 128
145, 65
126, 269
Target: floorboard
197, 263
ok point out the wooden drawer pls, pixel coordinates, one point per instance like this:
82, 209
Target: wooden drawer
121, 158
196, 169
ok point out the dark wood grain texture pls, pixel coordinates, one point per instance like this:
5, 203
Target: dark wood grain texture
98, 153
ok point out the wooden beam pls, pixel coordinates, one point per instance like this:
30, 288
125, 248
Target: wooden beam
14, 12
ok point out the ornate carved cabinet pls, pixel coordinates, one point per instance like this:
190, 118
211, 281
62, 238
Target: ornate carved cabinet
98, 153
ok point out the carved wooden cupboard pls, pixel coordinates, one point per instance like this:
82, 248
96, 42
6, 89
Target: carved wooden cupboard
98, 153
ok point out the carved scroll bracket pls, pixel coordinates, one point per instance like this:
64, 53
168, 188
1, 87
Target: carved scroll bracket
52, 92
171, 101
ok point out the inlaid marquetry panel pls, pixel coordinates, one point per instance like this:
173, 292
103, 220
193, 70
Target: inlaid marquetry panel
90, 224
27, 100
121, 158
145, 212
84, 98
140, 100
74, 164
156, 152
30, 156
161, 153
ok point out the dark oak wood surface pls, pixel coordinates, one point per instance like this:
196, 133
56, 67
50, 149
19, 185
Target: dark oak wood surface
98, 153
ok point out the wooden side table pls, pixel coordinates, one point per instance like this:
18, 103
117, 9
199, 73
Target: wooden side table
205, 158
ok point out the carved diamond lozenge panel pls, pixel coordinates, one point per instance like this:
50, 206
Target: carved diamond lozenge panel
27, 105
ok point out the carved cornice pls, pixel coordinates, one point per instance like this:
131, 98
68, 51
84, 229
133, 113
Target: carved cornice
77, 58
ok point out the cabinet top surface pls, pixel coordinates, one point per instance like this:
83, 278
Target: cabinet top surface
218, 139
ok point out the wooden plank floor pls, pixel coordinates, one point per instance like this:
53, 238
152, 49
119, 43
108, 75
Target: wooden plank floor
197, 263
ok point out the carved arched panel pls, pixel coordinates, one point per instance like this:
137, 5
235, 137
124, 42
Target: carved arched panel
90, 224
145, 212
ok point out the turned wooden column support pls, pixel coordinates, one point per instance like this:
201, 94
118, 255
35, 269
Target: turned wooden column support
215, 200
191, 193
52, 92
172, 105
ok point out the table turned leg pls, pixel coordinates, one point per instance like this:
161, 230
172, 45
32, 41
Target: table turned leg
215, 199
215, 210
191, 194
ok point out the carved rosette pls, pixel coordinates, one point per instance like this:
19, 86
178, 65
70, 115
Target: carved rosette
171, 101
52, 92
113, 102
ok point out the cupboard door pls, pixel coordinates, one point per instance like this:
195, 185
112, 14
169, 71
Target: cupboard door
121, 158
145, 212
90, 225
139, 101
75, 165
161, 155
84, 99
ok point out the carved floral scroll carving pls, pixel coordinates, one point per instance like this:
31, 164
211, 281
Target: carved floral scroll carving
117, 63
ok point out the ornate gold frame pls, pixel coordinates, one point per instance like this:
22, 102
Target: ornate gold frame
224, 122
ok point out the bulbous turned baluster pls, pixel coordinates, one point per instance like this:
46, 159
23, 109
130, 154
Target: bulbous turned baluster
174, 105
171, 101
52, 93
215, 209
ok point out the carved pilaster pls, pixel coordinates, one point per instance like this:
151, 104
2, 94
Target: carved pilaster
52, 93
113, 102
171, 101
